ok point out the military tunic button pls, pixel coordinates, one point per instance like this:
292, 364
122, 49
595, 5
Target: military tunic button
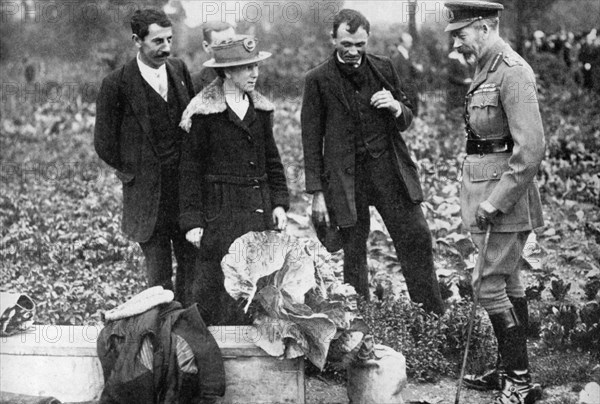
350, 170
259, 211
252, 164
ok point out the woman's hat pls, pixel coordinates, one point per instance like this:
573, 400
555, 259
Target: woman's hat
237, 51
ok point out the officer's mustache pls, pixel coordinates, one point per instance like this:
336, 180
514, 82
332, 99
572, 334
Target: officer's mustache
164, 54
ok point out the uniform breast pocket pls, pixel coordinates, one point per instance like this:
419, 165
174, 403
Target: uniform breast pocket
486, 113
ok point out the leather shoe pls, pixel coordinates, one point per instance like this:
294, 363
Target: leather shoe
519, 390
489, 381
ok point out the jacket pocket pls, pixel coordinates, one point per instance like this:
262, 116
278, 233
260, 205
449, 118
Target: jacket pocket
485, 99
485, 170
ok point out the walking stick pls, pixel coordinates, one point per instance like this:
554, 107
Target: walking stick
479, 270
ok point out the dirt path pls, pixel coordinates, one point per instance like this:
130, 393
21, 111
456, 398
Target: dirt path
320, 391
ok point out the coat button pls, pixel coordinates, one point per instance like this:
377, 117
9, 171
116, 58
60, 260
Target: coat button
249, 138
252, 164
350, 170
259, 211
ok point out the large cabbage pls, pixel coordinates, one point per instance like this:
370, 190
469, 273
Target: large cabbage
302, 307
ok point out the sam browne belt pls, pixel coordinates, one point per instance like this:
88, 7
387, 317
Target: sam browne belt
488, 146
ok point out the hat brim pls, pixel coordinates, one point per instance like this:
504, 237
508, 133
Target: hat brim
257, 58
453, 26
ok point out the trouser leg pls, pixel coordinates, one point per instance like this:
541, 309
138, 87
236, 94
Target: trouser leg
157, 253
500, 273
356, 271
409, 231
185, 254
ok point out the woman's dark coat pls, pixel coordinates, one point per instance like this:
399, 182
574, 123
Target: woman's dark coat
231, 179
228, 164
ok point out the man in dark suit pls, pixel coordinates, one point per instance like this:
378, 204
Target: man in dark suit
213, 32
352, 115
408, 71
137, 115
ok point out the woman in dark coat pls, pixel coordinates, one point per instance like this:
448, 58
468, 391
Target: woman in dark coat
231, 176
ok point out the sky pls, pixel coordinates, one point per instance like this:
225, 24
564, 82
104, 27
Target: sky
377, 11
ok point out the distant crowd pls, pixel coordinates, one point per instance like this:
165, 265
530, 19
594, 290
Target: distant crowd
579, 52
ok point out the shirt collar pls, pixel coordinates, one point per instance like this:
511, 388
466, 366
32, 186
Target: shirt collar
147, 70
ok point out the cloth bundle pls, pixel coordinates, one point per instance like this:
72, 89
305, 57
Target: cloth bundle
140, 303
16, 313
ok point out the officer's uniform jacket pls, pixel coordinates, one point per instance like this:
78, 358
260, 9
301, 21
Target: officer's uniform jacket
502, 103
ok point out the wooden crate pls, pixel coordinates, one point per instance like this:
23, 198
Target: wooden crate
252, 375
61, 361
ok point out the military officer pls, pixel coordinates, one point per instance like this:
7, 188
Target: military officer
505, 146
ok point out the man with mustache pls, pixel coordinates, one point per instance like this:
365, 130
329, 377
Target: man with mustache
505, 146
137, 116
352, 114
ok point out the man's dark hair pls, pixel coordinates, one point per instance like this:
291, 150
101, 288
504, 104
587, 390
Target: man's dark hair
213, 26
353, 18
142, 19
220, 72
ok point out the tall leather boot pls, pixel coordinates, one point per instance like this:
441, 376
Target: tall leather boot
518, 388
522, 310
494, 379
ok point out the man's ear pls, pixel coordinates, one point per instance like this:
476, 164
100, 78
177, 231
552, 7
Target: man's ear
205, 46
137, 40
485, 28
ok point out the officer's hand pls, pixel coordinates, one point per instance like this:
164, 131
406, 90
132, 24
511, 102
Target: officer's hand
194, 236
485, 214
279, 218
385, 99
319, 208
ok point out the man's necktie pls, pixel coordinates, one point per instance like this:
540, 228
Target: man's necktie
162, 87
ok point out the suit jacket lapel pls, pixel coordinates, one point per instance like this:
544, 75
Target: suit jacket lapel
134, 91
380, 76
335, 78
180, 89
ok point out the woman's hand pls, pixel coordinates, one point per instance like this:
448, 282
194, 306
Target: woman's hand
279, 218
194, 236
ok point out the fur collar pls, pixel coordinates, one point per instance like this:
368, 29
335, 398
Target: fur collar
211, 100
